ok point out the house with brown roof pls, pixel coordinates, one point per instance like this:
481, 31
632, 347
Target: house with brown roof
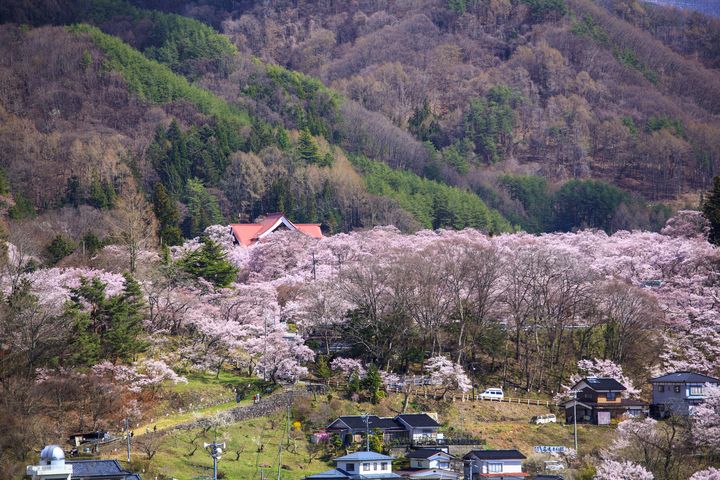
247, 234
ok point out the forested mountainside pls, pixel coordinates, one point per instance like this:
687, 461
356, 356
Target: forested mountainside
566, 89
709, 7
87, 117
516, 104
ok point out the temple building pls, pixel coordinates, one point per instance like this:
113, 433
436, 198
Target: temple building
246, 234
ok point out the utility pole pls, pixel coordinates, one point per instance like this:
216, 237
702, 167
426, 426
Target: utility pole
127, 434
215, 450
575, 392
367, 432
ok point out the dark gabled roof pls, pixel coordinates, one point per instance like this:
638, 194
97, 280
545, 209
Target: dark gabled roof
357, 422
495, 454
425, 453
109, 469
684, 377
600, 384
418, 420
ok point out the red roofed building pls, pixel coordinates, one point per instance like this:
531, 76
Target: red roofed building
248, 233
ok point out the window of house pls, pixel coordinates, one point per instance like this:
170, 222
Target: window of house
676, 388
495, 467
366, 467
611, 395
661, 388
696, 390
383, 466
444, 464
350, 467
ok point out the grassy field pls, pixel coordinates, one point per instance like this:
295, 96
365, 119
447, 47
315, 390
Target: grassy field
253, 446
252, 450
505, 425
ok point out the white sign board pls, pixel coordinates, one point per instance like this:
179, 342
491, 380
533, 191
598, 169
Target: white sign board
549, 449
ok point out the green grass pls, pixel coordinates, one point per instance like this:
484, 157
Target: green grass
173, 459
170, 421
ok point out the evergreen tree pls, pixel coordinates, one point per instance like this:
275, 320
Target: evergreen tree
209, 262
282, 139
353, 384
372, 382
307, 148
59, 248
711, 209
168, 215
123, 338
203, 208
322, 370
98, 195
105, 328
91, 243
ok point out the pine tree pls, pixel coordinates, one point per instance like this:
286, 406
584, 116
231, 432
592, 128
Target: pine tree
307, 148
203, 208
711, 209
168, 215
123, 339
105, 328
209, 262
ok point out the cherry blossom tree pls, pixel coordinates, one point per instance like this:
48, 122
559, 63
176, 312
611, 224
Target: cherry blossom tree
347, 367
614, 470
706, 420
448, 375
708, 474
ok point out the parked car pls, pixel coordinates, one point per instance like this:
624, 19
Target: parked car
554, 465
540, 419
492, 394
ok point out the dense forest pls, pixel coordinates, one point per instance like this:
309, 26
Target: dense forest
501, 106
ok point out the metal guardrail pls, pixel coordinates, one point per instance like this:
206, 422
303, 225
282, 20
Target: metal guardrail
521, 401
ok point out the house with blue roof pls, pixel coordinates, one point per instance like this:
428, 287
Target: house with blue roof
359, 466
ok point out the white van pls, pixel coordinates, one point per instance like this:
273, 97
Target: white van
540, 419
492, 394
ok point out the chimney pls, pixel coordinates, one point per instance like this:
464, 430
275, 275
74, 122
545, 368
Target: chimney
51, 466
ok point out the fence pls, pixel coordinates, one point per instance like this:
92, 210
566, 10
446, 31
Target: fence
521, 401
